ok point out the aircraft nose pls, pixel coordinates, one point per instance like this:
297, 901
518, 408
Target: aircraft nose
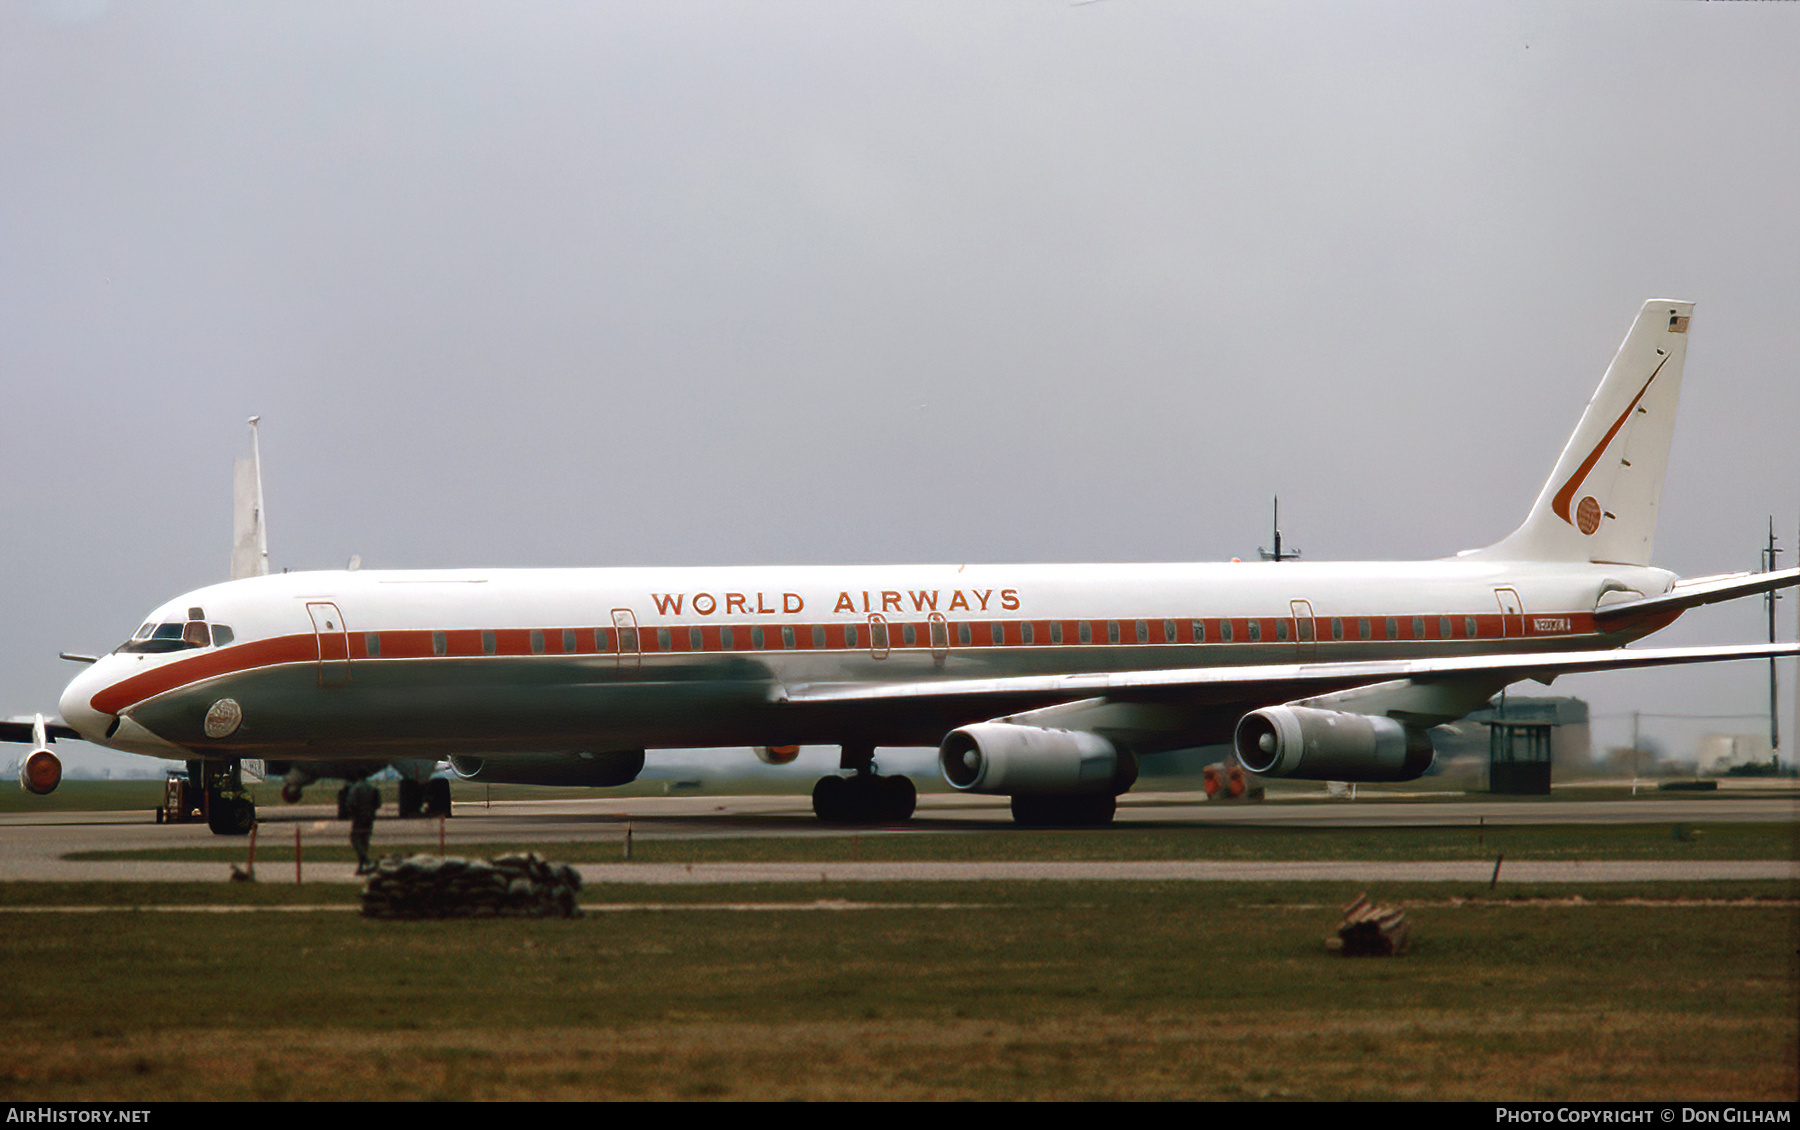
77, 710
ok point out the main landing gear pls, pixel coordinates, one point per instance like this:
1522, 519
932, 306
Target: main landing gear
867, 797
1084, 811
417, 799
424, 798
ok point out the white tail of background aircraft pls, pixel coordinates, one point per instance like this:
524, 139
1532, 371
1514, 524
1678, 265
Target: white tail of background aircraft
1045, 683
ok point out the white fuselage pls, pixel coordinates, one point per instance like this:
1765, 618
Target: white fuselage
380, 665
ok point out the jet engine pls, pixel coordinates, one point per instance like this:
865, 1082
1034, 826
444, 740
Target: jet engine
618, 767
1330, 745
40, 772
1002, 757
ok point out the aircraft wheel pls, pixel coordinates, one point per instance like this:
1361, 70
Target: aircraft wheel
830, 799
864, 799
230, 817
412, 798
1036, 811
901, 798
437, 797
291, 794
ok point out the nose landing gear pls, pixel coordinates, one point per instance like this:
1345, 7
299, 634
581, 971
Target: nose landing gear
229, 809
867, 797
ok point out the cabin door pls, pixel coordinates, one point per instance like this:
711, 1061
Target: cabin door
625, 627
1306, 637
334, 643
1512, 612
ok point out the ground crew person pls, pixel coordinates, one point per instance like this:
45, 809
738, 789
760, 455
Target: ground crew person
364, 801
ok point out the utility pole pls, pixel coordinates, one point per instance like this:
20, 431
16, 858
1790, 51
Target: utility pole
1769, 598
1635, 771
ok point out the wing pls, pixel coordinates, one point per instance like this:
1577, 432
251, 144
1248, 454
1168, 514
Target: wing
19, 730
1200, 705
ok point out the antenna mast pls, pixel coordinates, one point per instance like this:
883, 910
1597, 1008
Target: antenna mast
1277, 554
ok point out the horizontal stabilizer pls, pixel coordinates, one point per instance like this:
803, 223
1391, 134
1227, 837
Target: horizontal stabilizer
1694, 593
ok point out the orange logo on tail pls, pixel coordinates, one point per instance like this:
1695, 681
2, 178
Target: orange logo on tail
1583, 521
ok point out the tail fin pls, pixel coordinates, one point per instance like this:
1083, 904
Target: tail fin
1601, 500
249, 537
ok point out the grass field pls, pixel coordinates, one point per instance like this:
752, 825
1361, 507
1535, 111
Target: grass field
994, 990
1046, 990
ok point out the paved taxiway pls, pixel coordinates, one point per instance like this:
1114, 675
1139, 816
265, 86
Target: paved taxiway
34, 846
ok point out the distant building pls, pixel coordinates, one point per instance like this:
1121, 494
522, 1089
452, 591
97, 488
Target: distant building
1571, 742
1719, 752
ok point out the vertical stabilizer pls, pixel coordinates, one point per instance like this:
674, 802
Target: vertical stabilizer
249, 538
1600, 502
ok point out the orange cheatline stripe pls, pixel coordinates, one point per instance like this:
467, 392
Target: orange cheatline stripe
467, 643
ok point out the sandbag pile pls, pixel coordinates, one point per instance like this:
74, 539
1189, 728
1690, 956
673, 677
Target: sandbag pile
510, 886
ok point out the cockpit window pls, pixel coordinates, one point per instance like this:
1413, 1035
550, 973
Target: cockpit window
155, 638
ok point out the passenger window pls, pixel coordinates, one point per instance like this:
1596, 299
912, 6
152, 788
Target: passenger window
1168, 631
1470, 627
1255, 630
1143, 632
1199, 631
756, 638
1362, 627
727, 641
906, 633
537, 641
998, 632
1224, 631
850, 635
1418, 627
1281, 629
1085, 631
489, 644
787, 638
1444, 631
1393, 628
1337, 628
962, 633
818, 636
372, 643
439, 645
568, 641
1056, 631
664, 641
1027, 633
696, 640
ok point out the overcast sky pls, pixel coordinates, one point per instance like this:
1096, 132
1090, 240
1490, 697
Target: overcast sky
669, 284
